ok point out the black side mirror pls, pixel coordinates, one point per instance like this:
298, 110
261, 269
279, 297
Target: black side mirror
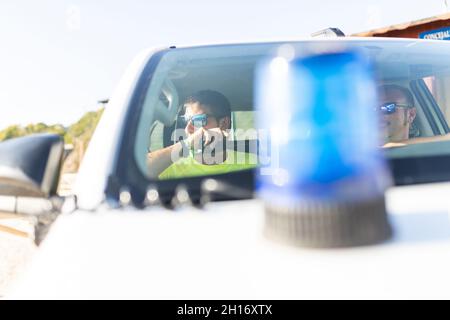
30, 166
29, 175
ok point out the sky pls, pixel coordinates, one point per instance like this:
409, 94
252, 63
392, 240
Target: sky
58, 57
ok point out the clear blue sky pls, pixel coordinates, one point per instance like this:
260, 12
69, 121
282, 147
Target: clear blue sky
58, 57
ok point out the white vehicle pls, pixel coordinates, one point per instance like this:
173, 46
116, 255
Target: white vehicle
128, 234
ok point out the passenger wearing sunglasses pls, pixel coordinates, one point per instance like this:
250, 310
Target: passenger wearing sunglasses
207, 121
397, 113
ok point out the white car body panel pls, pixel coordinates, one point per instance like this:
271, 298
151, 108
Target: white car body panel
221, 253
102, 153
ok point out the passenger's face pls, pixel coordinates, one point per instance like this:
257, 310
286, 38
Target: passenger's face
193, 109
395, 126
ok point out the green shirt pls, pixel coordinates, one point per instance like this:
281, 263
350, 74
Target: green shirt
189, 167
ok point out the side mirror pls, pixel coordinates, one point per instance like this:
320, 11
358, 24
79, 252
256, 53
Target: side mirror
29, 176
29, 172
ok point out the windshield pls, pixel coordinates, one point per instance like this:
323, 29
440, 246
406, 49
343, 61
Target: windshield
210, 89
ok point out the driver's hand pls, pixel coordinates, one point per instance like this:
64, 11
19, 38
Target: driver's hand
208, 145
203, 137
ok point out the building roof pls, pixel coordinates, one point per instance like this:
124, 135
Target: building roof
403, 26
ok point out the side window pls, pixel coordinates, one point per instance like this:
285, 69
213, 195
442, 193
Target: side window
243, 124
429, 110
439, 87
156, 137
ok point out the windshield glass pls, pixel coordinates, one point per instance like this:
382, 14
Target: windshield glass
198, 115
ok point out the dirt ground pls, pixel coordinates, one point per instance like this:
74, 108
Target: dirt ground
16, 248
17, 240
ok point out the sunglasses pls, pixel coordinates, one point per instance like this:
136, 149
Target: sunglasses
390, 107
198, 120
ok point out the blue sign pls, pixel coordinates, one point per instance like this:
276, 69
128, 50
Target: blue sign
439, 34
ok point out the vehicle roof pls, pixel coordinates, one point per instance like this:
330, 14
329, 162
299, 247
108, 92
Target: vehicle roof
299, 40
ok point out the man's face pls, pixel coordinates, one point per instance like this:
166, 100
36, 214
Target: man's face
194, 109
395, 126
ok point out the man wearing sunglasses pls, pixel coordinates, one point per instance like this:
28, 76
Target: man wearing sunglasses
207, 121
397, 113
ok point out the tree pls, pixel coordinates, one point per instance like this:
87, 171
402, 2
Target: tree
12, 132
78, 134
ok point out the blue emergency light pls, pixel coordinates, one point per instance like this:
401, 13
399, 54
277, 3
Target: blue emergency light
323, 175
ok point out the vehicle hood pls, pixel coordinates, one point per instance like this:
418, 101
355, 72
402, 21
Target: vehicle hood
220, 252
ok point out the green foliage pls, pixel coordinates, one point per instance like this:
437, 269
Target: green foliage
12, 132
81, 130
78, 134
84, 128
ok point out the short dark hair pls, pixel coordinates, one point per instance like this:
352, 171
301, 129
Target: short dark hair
394, 87
216, 102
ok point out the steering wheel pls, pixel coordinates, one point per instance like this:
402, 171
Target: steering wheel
166, 113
